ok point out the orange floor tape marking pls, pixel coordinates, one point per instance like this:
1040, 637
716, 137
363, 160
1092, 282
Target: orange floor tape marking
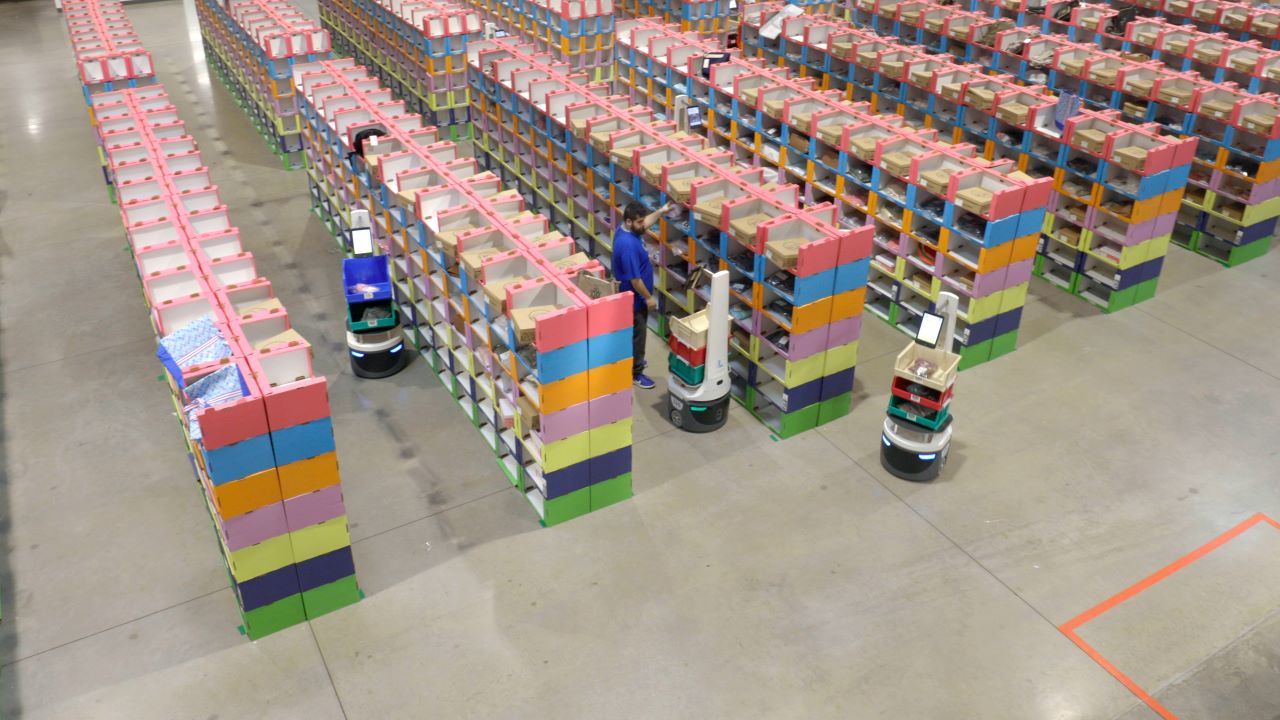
1069, 628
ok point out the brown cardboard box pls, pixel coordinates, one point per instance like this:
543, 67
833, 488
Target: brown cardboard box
525, 321
578, 125
831, 132
951, 91
892, 68
1141, 88
842, 49
1147, 38
799, 143
749, 96
910, 16
1259, 119
1177, 47
773, 108
959, 32
678, 189
802, 121
1014, 113
1243, 63
975, 200
708, 211
1091, 140
651, 171
692, 329
744, 228
1217, 108
1135, 109
530, 419
934, 24
1265, 26
574, 259
864, 147
1132, 157
784, 253
922, 76
1106, 76
596, 287
980, 97
1208, 54
936, 181
1075, 66
496, 291
600, 140
898, 163
622, 156
472, 259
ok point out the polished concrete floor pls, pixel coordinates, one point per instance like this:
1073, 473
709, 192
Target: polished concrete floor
746, 578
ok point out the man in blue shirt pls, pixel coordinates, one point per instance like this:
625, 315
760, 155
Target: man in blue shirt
634, 271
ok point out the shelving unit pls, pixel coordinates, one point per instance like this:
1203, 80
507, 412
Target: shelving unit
579, 33
1116, 185
871, 167
1232, 203
797, 278
1246, 21
255, 417
490, 295
252, 46
109, 56
417, 48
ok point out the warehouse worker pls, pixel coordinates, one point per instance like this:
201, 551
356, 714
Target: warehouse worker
632, 268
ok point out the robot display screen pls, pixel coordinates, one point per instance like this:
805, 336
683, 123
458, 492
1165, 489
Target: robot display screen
930, 330
361, 241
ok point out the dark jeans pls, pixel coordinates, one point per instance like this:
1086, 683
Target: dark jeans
639, 329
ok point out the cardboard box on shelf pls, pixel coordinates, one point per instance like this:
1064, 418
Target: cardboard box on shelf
471, 260
784, 253
525, 321
495, 291
975, 199
596, 287
574, 259
1132, 157
744, 228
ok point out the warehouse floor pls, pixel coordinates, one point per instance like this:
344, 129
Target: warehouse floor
746, 578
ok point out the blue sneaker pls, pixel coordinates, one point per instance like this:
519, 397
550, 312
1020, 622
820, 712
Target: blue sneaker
644, 382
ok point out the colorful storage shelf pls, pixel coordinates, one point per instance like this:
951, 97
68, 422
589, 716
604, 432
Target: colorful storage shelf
252, 46
1116, 185
489, 293
1242, 21
1232, 202
579, 33
109, 56
582, 153
255, 417
770, 118
418, 48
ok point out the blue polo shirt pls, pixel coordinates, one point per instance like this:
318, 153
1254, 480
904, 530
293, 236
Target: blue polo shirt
631, 260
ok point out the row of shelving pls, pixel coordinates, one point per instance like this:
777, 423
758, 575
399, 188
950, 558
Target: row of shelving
521, 328
109, 56
1233, 200
797, 278
1117, 186
252, 46
579, 33
1249, 64
1246, 21
255, 418
418, 48
943, 218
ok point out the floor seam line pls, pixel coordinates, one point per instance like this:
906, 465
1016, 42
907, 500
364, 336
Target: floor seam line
332, 685
76, 356
966, 553
117, 626
1201, 340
